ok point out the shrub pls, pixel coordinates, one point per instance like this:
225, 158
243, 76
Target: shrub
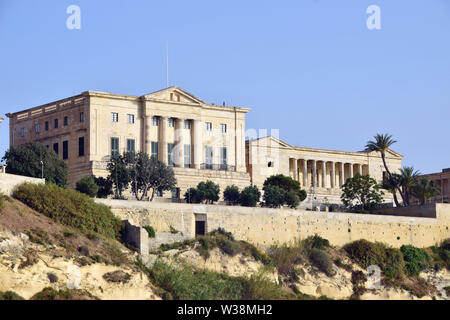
231, 195
105, 187
286, 257
38, 236
315, 242
287, 184
10, 295
249, 196
52, 294
291, 199
416, 259
188, 283
87, 186
70, 208
209, 190
274, 197
150, 231
322, 260
259, 287
2, 202
367, 253
193, 195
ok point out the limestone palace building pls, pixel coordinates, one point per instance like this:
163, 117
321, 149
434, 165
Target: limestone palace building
199, 140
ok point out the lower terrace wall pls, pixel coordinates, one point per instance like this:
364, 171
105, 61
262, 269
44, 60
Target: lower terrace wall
8, 182
264, 227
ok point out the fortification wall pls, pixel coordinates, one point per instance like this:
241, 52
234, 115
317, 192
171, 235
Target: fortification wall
264, 227
8, 182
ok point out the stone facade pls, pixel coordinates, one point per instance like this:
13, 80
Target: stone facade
264, 227
442, 180
320, 172
202, 141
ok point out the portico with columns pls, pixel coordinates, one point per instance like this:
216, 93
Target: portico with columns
320, 172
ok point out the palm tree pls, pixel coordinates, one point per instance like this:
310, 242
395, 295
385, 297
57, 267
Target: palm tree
408, 179
424, 189
381, 144
391, 185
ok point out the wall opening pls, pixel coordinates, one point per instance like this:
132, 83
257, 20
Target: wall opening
200, 225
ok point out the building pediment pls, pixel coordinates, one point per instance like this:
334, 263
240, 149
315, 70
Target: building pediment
175, 94
271, 141
389, 153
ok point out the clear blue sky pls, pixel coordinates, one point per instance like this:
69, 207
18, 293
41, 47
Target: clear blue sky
308, 67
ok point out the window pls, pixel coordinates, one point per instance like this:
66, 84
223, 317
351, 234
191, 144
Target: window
155, 149
208, 158
170, 147
22, 132
209, 126
66, 121
155, 121
130, 118
46, 126
158, 193
176, 193
47, 146
114, 117
81, 116
223, 158
223, 128
187, 155
56, 124
114, 146
65, 150
187, 124
36, 128
81, 146
56, 147
131, 145
171, 122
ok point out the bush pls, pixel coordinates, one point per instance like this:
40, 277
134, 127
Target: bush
249, 196
416, 259
87, 186
188, 283
105, 187
259, 287
366, 253
315, 242
274, 197
231, 195
291, 199
70, 208
2, 202
322, 260
209, 190
287, 184
9, 296
150, 231
192, 195
52, 294
286, 257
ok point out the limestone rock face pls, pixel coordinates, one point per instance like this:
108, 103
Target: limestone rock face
27, 277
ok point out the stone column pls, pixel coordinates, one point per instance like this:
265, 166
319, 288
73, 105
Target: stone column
295, 170
360, 169
147, 138
163, 156
351, 170
342, 177
314, 174
178, 151
324, 174
333, 175
305, 173
198, 143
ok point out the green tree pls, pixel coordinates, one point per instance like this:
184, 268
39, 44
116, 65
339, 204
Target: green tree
148, 174
408, 179
118, 174
425, 189
274, 196
381, 144
249, 196
209, 190
192, 195
35, 160
87, 186
231, 195
361, 192
287, 184
104, 187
